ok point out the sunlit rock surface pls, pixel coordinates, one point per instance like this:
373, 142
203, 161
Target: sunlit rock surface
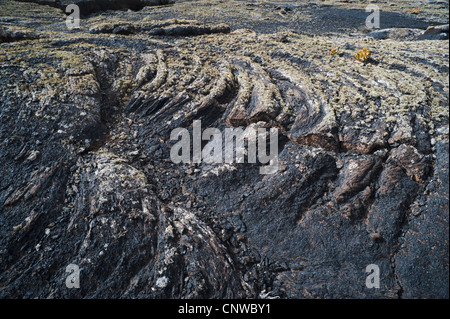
86, 176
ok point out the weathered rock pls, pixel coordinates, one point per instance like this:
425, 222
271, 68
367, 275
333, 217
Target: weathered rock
431, 33
436, 33
424, 236
87, 179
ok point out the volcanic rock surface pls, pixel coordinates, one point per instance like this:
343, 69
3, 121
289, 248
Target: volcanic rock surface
86, 177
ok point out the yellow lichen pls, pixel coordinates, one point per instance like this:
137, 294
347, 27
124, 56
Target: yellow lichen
363, 54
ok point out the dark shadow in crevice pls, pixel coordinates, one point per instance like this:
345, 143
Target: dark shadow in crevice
90, 7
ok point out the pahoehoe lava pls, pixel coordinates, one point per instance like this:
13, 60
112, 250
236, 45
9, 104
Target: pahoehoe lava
86, 176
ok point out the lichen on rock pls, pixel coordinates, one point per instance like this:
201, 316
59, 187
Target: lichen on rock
85, 121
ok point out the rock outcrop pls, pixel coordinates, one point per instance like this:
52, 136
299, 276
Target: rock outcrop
86, 175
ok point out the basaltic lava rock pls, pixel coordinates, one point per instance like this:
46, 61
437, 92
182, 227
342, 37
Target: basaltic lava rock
86, 177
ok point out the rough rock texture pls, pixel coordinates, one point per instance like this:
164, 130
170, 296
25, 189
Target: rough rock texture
86, 176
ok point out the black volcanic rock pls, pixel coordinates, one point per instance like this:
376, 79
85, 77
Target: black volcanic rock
88, 7
86, 117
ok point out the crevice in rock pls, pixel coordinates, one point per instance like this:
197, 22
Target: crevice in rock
14, 34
